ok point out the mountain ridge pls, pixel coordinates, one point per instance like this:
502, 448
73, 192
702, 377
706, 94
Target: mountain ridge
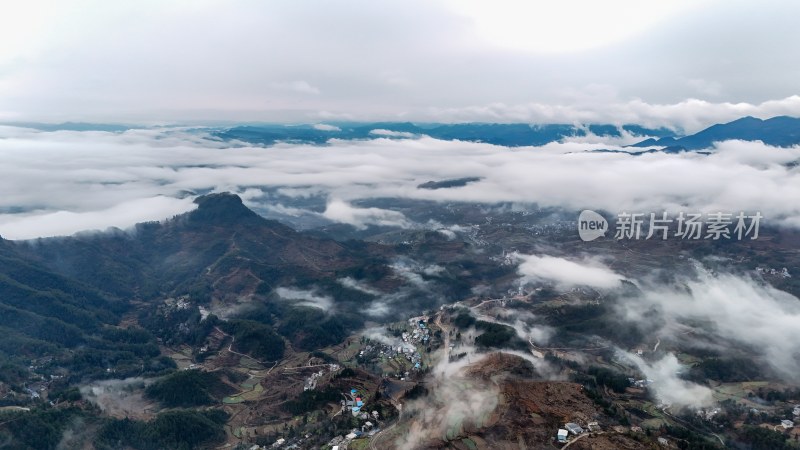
206, 240
779, 131
506, 134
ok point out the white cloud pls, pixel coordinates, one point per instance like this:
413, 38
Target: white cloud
383, 304
568, 273
352, 283
669, 388
625, 138
380, 335
410, 270
456, 402
326, 127
735, 308
64, 223
92, 172
690, 115
118, 397
306, 297
523, 322
341, 211
390, 133
288, 210
433, 270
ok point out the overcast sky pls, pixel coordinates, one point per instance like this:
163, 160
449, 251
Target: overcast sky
678, 63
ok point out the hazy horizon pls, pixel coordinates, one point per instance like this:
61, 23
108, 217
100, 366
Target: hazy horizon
683, 64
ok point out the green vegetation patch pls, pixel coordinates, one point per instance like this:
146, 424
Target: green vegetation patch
178, 430
496, 335
38, 429
255, 339
188, 388
470, 444
312, 399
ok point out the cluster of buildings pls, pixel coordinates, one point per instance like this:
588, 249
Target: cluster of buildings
552, 228
507, 258
420, 332
787, 424
473, 236
178, 303
355, 405
642, 384
573, 429
708, 414
40, 363
371, 351
342, 442
39, 380
37, 385
353, 402
277, 444
773, 272
35, 389
311, 382
282, 443
418, 335
518, 293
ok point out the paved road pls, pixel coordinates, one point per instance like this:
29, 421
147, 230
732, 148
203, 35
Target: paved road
578, 439
694, 428
230, 349
373, 443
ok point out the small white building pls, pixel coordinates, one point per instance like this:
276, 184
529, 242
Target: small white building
562, 435
786, 424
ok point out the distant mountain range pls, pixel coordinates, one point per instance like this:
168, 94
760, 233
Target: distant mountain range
782, 131
510, 135
779, 131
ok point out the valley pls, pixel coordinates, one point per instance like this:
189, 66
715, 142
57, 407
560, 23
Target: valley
276, 329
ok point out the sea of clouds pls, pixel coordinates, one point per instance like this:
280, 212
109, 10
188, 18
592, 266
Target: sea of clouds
63, 182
